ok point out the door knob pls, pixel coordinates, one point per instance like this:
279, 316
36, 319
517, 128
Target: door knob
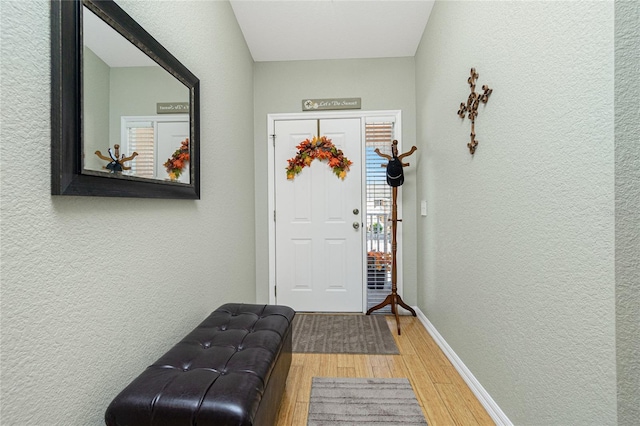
356, 225
356, 211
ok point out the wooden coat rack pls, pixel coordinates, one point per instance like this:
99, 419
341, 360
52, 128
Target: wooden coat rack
394, 298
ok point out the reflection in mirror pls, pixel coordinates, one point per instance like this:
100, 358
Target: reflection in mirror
119, 120
126, 96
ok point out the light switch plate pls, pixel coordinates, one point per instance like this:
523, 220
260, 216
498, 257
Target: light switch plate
423, 207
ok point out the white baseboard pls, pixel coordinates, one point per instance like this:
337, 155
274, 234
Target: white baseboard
483, 396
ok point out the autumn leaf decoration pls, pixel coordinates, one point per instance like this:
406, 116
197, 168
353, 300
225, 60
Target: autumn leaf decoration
378, 259
176, 163
321, 149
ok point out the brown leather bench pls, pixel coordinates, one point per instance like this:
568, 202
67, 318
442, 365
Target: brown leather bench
230, 370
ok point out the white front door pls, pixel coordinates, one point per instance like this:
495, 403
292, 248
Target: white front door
318, 221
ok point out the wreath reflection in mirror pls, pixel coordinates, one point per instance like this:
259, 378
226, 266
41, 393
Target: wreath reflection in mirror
322, 149
178, 160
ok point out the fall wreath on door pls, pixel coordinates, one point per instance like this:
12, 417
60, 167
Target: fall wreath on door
322, 149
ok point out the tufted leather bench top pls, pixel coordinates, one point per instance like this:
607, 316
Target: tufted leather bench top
217, 374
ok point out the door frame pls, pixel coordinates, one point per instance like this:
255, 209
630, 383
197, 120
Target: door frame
155, 120
396, 115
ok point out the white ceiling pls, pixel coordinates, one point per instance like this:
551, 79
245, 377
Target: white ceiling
109, 45
331, 29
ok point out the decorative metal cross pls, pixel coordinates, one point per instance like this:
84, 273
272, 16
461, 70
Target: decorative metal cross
473, 101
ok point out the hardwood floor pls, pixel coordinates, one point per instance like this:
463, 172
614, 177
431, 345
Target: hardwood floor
443, 395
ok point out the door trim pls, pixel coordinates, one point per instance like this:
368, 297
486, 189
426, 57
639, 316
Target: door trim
271, 119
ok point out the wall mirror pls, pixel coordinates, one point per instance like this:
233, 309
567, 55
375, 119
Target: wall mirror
125, 112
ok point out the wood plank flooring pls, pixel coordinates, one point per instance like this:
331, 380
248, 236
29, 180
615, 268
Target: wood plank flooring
443, 395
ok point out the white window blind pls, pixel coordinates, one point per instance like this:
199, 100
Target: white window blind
378, 135
378, 195
141, 139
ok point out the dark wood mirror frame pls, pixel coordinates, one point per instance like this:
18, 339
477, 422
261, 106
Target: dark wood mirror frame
67, 175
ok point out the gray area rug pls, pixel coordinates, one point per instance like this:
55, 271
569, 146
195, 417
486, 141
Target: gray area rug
341, 401
347, 334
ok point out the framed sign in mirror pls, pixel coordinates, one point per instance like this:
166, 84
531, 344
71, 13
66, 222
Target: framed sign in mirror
125, 112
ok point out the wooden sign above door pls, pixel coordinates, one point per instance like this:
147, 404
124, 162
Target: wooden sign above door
172, 108
331, 104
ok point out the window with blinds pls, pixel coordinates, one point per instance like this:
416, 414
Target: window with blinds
378, 135
141, 139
